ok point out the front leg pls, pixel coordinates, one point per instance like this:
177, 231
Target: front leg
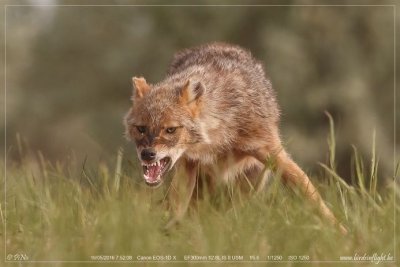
181, 190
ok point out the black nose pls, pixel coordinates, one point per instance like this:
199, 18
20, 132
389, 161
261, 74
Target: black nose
148, 154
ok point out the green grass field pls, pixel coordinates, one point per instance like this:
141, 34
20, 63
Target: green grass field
69, 212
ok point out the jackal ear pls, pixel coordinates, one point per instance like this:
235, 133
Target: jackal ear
140, 86
191, 91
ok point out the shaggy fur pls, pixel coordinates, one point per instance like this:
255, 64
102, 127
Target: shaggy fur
216, 107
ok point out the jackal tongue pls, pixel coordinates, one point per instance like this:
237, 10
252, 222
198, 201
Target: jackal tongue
153, 172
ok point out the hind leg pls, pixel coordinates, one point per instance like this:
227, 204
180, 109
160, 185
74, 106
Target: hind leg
294, 176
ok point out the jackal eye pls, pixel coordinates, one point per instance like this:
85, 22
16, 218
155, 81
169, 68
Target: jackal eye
171, 130
141, 129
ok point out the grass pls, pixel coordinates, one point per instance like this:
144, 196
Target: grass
69, 212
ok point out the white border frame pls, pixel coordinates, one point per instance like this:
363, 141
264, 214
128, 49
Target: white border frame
199, 261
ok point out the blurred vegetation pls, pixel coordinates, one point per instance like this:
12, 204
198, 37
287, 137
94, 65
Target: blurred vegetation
69, 69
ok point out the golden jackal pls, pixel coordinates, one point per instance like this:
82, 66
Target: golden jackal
216, 107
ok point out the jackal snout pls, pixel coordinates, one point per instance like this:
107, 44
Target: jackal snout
148, 154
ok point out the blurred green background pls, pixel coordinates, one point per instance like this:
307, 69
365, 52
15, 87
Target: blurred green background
68, 72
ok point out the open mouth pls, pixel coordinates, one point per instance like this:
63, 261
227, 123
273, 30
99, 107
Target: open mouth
153, 172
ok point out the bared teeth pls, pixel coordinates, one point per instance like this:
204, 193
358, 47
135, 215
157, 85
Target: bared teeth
157, 163
152, 172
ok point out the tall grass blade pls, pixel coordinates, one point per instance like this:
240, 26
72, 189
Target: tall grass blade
117, 175
359, 169
331, 141
105, 175
332, 169
249, 183
336, 177
339, 181
43, 165
374, 167
84, 174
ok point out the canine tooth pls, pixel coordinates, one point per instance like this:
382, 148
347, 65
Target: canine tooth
158, 163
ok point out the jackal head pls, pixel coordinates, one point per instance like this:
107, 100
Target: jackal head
162, 123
